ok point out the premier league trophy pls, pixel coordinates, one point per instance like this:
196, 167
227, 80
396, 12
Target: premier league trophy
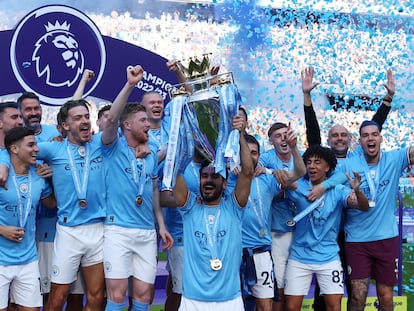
200, 116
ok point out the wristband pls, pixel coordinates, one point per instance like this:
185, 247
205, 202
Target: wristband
387, 98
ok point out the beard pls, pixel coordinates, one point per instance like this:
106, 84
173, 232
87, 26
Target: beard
212, 195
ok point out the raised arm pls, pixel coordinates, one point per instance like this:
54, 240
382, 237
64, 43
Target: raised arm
87, 76
382, 112
286, 178
299, 168
411, 155
180, 191
313, 131
242, 189
110, 132
167, 199
173, 66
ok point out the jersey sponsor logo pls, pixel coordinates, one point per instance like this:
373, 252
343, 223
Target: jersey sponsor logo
11, 208
202, 237
50, 49
97, 161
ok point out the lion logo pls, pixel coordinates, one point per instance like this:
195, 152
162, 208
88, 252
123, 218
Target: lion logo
57, 56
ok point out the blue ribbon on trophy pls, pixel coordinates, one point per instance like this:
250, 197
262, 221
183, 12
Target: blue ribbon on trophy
174, 139
229, 107
205, 121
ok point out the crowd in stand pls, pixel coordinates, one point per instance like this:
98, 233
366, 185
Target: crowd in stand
360, 54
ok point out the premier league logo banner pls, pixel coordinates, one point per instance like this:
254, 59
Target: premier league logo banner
50, 48
201, 113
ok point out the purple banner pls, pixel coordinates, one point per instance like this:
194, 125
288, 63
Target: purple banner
50, 48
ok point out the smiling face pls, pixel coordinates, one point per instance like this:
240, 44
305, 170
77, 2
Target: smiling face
25, 150
154, 105
29, 149
370, 140
212, 185
78, 125
31, 113
338, 140
10, 118
278, 140
138, 125
317, 169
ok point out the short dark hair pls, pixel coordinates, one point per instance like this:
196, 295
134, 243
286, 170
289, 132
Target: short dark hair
206, 163
8, 104
64, 110
129, 109
252, 140
276, 126
16, 134
59, 120
102, 110
321, 153
369, 122
5, 105
27, 95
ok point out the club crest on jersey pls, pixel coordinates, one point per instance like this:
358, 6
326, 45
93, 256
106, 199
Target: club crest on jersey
50, 49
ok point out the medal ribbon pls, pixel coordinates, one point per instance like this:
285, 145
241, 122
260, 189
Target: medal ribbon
138, 178
23, 214
81, 189
259, 213
212, 237
372, 183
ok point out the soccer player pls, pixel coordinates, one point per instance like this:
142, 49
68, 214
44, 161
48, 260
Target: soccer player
257, 266
371, 239
314, 246
19, 261
130, 244
77, 165
212, 234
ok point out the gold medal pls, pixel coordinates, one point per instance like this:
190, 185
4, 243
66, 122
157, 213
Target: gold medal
262, 233
290, 222
83, 203
215, 264
139, 200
